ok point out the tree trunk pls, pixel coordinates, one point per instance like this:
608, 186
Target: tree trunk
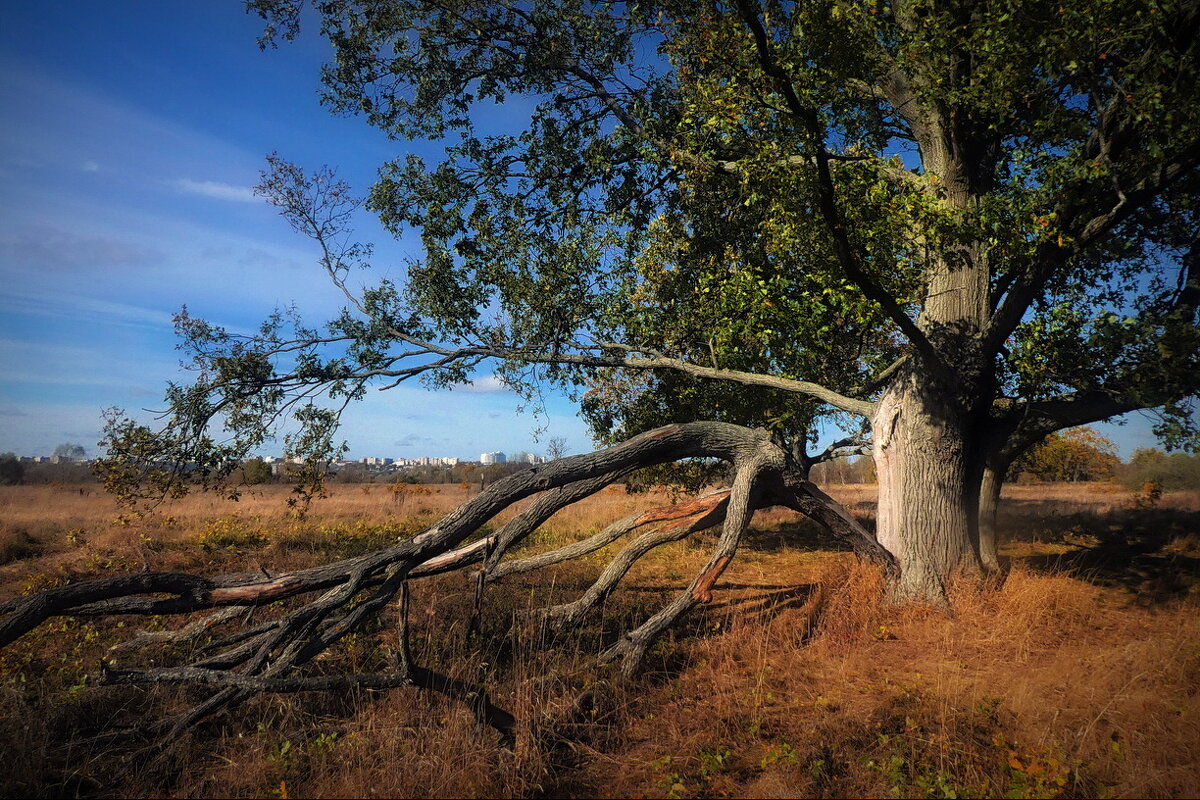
929, 481
989, 502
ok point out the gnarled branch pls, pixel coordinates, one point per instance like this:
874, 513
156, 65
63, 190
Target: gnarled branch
272, 655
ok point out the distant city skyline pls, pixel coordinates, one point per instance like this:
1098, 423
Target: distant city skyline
522, 456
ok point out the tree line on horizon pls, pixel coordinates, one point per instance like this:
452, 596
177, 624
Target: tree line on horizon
1072, 456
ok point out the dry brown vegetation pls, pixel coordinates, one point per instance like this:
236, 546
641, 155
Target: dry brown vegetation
1080, 676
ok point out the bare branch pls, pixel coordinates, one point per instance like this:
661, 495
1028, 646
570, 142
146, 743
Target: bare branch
703, 514
269, 656
632, 647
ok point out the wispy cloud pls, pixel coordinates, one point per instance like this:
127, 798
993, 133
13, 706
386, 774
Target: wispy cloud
83, 310
51, 127
489, 385
52, 247
217, 190
414, 440
68, 365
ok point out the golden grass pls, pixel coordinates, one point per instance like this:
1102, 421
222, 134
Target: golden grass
1079, 677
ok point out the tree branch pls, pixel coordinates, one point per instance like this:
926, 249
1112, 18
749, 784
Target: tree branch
703, 514
1112, 140
632, 647
1016, 426
827, 196
269, 655
1052, 256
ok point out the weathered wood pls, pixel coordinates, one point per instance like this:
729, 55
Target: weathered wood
268, 655
632, 647
707, 512
702, 591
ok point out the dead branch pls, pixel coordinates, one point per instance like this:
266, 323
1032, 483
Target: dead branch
706, 512
274, 655
632, 647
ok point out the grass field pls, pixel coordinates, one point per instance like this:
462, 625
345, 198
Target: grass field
1078, 677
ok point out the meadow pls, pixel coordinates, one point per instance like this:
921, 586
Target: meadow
1077, 676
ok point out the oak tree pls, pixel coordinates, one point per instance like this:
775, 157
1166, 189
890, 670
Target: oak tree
967, 225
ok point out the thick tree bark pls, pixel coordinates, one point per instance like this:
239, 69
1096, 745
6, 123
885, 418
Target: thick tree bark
989, 506
929, 483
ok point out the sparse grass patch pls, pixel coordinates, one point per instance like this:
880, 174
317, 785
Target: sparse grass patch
232, 533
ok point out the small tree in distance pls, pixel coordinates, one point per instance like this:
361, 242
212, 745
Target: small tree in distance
556, 448
1078, 454
255, 471
850, 469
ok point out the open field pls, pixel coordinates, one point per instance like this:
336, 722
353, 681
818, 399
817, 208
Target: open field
1079, 677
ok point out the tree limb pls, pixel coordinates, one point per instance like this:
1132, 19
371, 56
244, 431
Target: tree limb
827, 196
269, 656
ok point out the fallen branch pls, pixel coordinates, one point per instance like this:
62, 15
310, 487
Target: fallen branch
271, 656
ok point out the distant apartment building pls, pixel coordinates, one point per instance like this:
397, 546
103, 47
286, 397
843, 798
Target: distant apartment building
493, 458
522, 457
374, 461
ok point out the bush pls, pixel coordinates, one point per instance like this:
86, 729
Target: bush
255, 471
1174, 472
12, 471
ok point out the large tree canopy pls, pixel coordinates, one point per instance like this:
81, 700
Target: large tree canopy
966, 224
753, 212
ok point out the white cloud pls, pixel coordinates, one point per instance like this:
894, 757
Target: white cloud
84, 310
90, 166
489, 385
216, 190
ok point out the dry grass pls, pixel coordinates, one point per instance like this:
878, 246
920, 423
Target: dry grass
1079, 677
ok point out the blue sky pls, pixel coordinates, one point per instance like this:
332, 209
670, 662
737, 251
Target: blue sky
131, 135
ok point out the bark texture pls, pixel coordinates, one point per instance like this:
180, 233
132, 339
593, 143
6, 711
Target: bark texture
989, 508
928, 487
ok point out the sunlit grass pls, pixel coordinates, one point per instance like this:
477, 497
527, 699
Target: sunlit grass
1079, 677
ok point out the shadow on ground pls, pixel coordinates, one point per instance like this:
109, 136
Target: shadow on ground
803, 535
1152, 553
